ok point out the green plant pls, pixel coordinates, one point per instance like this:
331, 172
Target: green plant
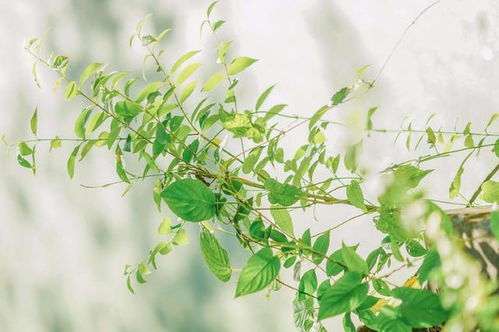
178, 132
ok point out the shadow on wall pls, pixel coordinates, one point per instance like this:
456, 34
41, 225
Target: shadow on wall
338, 42
66, 246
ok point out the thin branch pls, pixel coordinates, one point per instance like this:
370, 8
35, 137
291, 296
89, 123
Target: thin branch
399, 41
479, 189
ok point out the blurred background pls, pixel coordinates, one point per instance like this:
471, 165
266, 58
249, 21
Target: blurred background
63, 247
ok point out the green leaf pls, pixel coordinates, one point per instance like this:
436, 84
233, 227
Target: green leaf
283, 194
129, 285
370, 114
120, 170
71, 90
421, 308
23, 162
282, 218
79, 127
390, 320
190, 151
215, 256
490, 191
251, 160
140, 279
431, 262
92, 68
180, 238
340, 96
95, 121
183, 59
432, 139
222, 51
144, 270
60, 61
320, 247
414, 248
34, 122
190, 200
218, 24
242, 126
263, 97
188, 89
165, 226
455, 186
163, 34
381, 287
345, 295
410, 175
276, 109
210, 8
239, 64
71, 161
147, 90
353, 261
348, 324
258, 272
332, 268
389, 223
355, 196
308, 284
350, 159
187, 72
55, 143
318, 115
494, 117
24, 149
213, 82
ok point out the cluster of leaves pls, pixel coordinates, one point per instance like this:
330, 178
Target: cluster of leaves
173, 127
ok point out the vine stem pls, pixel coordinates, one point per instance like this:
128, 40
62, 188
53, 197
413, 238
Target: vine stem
399, 41
384, 130
479, 189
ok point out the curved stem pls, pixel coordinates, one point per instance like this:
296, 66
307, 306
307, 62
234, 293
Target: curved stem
479, 189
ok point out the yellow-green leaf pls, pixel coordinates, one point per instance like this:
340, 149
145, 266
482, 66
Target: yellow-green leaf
34, 122
355, 196
491, 191
71, 161
187, 91
239, 64
165, 226
92, 68
71, 90
282, 218
147, 90
183, 59
180, 238
213, 82
187, 72
79, 127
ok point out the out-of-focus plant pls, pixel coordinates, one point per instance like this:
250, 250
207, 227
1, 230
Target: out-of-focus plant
178, 129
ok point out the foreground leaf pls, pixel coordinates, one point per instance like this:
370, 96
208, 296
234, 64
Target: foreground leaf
215, 256
284, 194
190, 200
240, 64
420, 308
355, 196
343, 296
260, 270
282, 218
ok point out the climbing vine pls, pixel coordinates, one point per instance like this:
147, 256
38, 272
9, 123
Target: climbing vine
221, 167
